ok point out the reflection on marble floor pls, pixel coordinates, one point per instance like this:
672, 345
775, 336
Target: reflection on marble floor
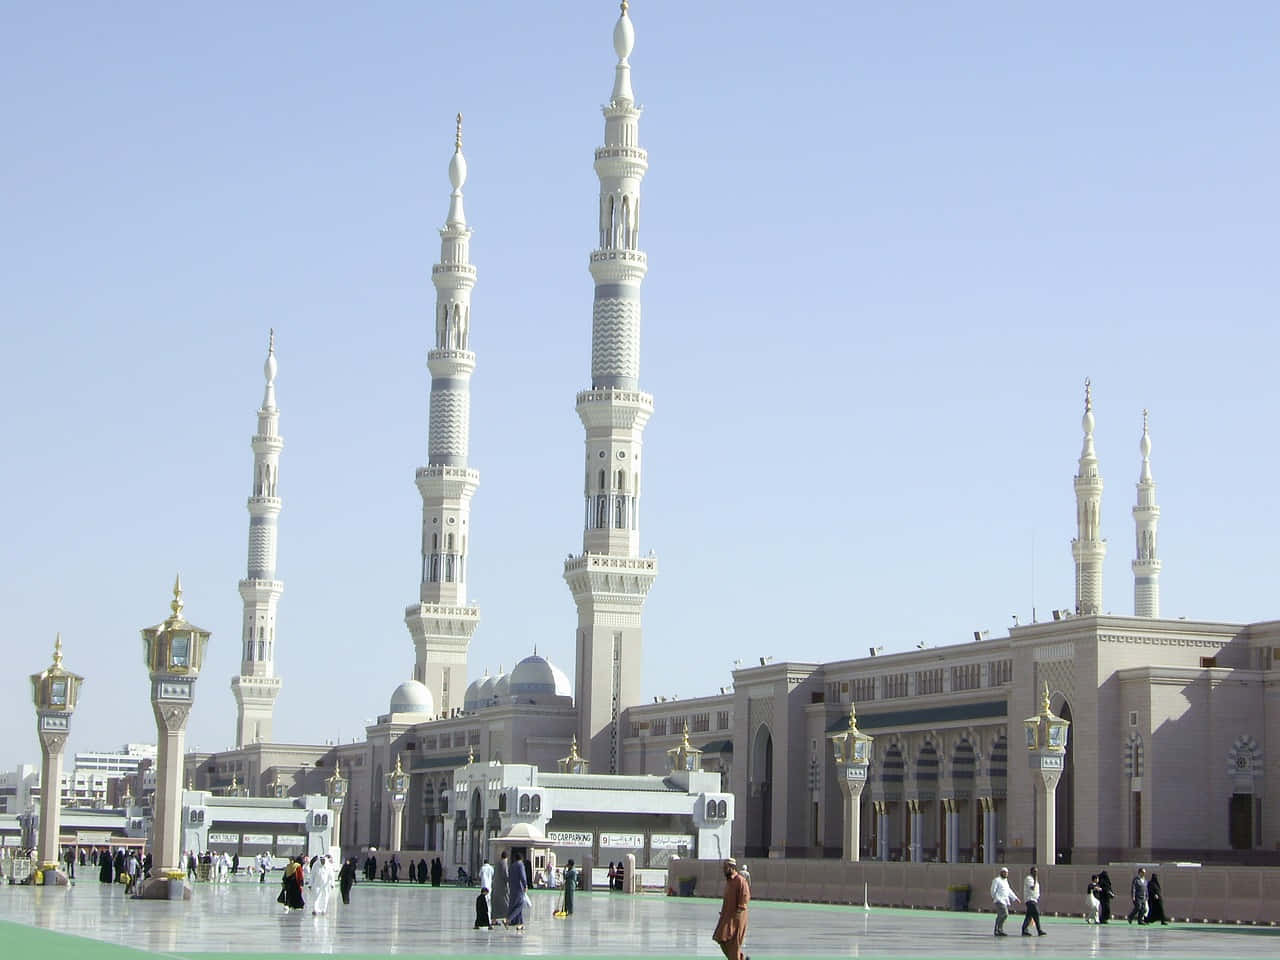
244, 917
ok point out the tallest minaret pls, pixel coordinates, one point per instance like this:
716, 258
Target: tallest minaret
442, 622
257, 686
610, 579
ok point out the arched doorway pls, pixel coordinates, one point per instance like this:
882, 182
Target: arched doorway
759, 833
1065, 799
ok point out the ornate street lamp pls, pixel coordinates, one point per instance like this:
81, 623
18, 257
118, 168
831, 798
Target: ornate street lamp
174, 653
574, 763
1046, 736
54, 692
852, 750
237, 789
279, 790
336, 788
684, 758
398, 787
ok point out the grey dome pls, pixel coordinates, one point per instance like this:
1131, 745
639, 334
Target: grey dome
412, 697
535, 676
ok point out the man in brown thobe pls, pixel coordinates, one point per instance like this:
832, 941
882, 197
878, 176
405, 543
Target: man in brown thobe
731, 931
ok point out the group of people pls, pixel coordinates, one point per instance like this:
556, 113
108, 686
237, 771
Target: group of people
221, 866
1144, 892
124, 866
1148, 900
318, 876
504, 892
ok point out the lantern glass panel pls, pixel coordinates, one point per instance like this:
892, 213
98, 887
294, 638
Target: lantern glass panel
58, 693
180, 651
1057, 734
860, 750
1032, 737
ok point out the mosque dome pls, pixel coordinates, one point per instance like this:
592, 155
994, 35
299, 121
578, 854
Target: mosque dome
471, 699
485, 694
502, 687
412, 697
535, 675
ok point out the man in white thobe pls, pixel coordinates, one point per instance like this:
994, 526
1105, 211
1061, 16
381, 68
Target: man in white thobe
321, 883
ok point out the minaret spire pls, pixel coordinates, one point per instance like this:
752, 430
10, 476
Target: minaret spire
257, 686
609, 579
1146, 518
1088, 548
442, 622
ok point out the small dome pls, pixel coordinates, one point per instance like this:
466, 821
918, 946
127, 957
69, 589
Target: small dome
475, 697
532, 675
535, 676
486, 690
502, 687
412, 697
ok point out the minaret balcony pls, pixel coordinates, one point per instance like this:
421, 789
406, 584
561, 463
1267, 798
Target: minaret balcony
598, 561
464, 269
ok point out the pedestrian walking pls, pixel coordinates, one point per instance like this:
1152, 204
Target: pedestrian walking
347, 879
321, 882
1138, 891
1155, 901
1105, 897
731, 929
482, 909
1003, 897
517, 887
1091, 900
1031, 897
498, 906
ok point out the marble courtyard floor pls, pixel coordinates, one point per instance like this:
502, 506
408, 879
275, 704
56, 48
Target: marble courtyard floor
242, 920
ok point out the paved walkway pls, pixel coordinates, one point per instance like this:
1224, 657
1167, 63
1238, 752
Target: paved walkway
243, 918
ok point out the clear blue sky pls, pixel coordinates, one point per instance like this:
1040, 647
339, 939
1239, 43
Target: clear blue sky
887, 243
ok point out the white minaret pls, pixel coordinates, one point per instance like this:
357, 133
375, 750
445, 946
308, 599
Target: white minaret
442, 623
258, 686
1088, 548
1146, 517
610, 579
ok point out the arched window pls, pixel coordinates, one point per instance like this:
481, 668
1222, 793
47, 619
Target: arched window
524, 803
711, 809
448, 542
435, 541
622, 480
601, 514
601, 479
620, 512
722, 809
537, 803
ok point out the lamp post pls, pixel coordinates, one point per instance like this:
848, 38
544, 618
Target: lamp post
1047, 747
574, 763
237, 789
336, 788
852, 750
685, 757
278, 789
174, 653
398, 787
54, 692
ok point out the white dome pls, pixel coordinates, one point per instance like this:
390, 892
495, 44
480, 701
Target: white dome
486, 690
474, 698
535, 676
502, 687
412, 697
